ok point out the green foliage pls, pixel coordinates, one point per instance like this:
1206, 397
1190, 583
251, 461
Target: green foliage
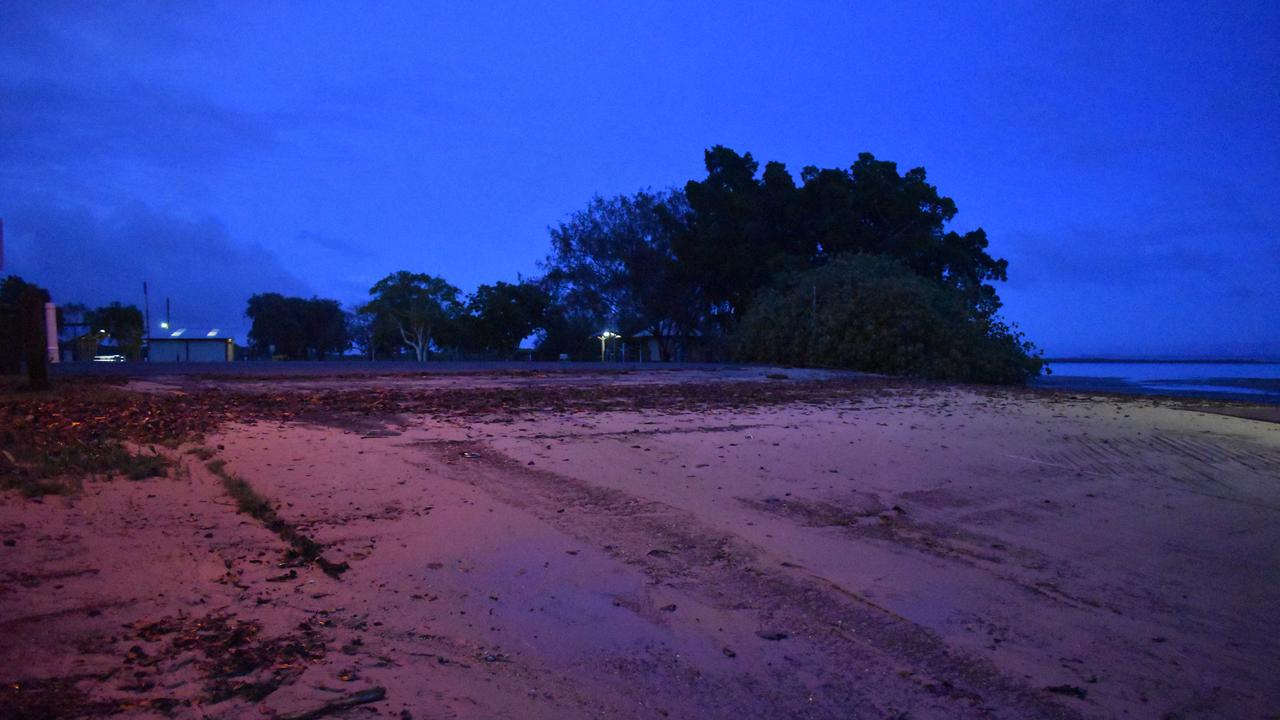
613, 267
501, 315
22, 330
568, 331
871, 208
741, 232
11, 336
374, 335
873, 313
418, 306
252, 503
50, 472
745, 229
121, 323
296, 327
733, 244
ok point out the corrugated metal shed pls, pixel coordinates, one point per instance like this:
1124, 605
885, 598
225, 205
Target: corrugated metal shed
196, 347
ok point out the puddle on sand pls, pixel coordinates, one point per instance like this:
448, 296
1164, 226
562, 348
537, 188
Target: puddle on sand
929, 609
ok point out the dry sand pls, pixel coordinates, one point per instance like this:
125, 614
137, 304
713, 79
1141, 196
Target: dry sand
917, 552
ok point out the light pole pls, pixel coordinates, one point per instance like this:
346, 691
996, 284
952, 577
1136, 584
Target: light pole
605, 337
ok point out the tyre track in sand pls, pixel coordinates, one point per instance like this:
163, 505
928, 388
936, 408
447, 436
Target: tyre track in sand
844, 655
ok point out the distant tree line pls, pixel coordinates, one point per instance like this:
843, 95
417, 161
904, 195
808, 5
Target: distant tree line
847, 267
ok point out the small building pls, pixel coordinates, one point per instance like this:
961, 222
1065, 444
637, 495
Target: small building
191, 349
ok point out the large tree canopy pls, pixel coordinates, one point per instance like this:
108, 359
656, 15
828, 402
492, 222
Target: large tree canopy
613, 265
417, 305
740, 232
871, 208
746, 229
501, 315
296, 327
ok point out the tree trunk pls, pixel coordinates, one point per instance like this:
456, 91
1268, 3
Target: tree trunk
33, 338
664, 342
414, 341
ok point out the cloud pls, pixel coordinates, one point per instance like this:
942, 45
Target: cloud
83, 257
337, 245
1196, 252
107, 92
49, 122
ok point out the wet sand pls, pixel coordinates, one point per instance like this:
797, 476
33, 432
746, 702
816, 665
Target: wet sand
914, 551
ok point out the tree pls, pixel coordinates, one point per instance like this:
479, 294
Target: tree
745, 230
416, 304
11, 335
501, 315
277, 326
122, 323
361, 330
567, 330
874, 313
871, 208
22, 331
740, 231
614, 264
324, 327
296, 327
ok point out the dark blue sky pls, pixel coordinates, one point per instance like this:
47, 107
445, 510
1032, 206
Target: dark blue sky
1123, 156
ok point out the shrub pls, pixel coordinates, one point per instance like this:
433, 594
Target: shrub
871, 313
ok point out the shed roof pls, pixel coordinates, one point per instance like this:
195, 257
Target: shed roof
193, 334
189, 338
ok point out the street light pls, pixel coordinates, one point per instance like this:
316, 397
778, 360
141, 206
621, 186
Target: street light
605, 337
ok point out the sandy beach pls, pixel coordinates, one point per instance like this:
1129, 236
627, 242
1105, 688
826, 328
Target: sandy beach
676, 544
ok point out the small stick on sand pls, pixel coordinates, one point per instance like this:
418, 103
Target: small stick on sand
373, 694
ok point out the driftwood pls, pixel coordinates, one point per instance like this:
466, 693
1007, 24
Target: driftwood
373, 694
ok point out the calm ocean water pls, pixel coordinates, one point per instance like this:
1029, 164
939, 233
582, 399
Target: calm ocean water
1235, 381
1141, 372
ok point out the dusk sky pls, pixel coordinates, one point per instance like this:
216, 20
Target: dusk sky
1124, 157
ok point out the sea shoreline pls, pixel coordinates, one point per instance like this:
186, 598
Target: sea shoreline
1263, 391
